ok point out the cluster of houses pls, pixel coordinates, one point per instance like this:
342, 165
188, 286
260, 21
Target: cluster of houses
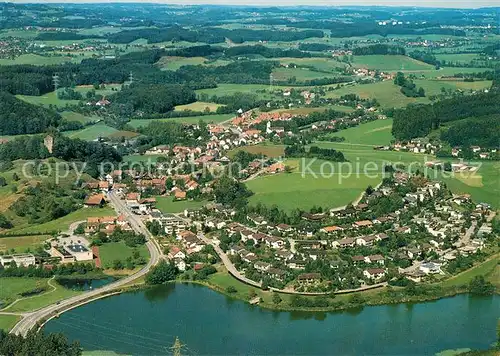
281, 252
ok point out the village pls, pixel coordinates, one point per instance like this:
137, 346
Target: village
408, 228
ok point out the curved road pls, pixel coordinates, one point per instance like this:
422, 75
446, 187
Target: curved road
30, 319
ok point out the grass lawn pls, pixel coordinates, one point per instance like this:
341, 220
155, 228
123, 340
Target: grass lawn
7, 322
92, 132
168, 205
22, 243
265, 149
42, 300
184, 120
109, 252
295, 190
198, 106
12, 287
387, 93
376, 132
390, 63
62, 224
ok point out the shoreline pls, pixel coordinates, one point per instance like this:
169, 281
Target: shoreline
388, 295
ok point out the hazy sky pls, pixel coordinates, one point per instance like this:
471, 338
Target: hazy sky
425, 3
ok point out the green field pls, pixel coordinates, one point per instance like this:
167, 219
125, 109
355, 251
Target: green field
376, 132
168, 205
268, 150
12, 287
35, 59
75, 116
387, 93
47, 99
296, 190
262, 90
458, 57
433, 87
52, 99
488, 191
300, 74
198, 106
321, 64
92, 132
174, 63
109, 252
62, 224
390, 63
184, 120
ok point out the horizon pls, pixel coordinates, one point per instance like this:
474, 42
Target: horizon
458, 4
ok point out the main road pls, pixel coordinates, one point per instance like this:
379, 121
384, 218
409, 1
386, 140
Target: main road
31, 319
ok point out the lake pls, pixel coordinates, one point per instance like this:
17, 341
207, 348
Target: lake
146, 322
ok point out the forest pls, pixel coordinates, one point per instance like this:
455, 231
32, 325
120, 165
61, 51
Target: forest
210, 35
419, 120
153, 98
478, 131
327, 154
18, 117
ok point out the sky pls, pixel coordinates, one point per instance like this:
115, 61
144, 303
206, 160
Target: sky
421, 3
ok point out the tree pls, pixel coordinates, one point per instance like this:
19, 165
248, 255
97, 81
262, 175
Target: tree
15, 177
276, 298
117, 264
480, 286
4, 222
231, 290
162, 273
230, 192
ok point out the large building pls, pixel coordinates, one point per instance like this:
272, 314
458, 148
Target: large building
24, 260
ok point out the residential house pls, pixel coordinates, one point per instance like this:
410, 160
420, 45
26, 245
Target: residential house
374, 273
308, 278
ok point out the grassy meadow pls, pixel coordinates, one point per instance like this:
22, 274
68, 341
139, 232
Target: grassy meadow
112, 251
184, 120
376, 132
168, 205
390, 63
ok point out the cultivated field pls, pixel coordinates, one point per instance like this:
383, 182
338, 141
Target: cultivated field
198, 106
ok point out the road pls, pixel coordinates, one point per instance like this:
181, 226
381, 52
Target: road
32, 318
227, 263
234, 272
